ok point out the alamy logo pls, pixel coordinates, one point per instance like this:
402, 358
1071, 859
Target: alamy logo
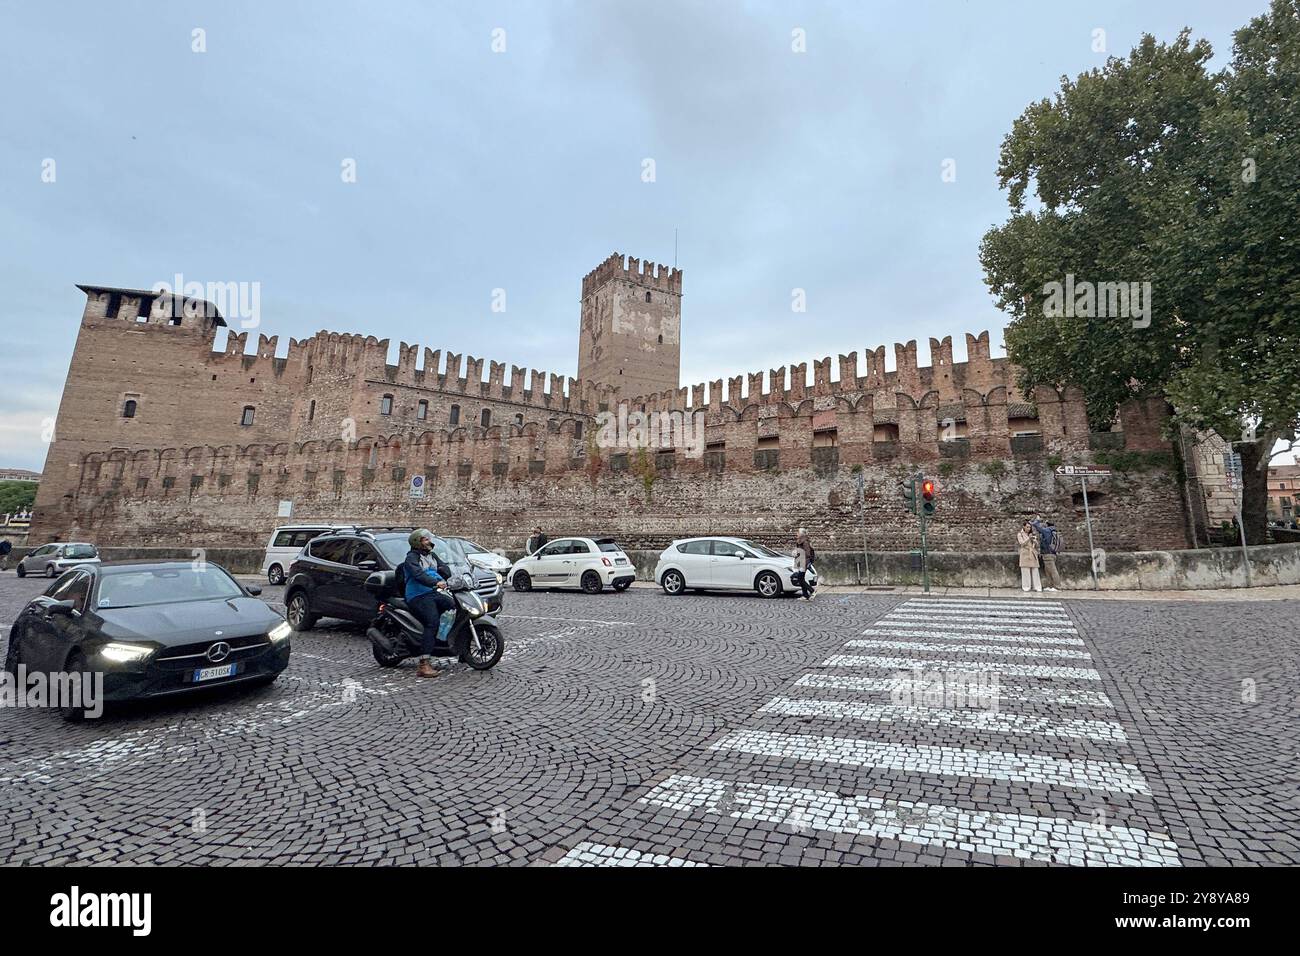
661, 430
231, 300
1098, 300
76, 909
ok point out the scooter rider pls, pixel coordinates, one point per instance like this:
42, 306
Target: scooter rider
425, 593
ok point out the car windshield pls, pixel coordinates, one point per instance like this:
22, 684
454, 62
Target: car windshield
760, 549
79, 551
172, 585
609, 546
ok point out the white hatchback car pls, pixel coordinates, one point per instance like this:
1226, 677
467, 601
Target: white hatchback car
724, 564
587, 563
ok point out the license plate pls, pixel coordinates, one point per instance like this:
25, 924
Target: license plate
620, 560
212, 673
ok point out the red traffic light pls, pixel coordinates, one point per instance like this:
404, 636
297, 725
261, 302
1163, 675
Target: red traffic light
928, 489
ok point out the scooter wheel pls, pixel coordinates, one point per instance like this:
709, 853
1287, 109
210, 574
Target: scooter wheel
493, 645
385, 660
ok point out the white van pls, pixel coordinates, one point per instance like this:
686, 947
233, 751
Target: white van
285, 544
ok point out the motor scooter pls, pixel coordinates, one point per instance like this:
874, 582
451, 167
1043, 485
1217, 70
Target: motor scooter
396, 634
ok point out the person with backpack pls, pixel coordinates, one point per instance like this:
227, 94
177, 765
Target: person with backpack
805, 575
1049, 547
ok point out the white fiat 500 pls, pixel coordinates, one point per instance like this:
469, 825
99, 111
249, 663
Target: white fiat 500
724, 564
587, 563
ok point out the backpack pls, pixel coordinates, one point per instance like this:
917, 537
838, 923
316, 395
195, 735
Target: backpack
1057, 542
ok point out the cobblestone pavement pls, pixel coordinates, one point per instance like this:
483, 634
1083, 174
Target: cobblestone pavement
639, 730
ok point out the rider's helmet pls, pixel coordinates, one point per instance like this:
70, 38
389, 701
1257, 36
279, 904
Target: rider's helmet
418, 535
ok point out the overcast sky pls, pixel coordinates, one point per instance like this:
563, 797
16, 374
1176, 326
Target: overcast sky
521, 170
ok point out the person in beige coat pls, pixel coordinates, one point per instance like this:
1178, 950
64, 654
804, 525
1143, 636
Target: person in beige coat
1027, 542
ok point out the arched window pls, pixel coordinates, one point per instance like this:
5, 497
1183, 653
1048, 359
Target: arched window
386, 405
311, 410
647, 296
453, 416
577, 429
422, 410
486, 418
247, 418
129, 407
519, 420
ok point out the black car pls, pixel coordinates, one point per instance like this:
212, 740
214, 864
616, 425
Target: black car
150, 629
328, 578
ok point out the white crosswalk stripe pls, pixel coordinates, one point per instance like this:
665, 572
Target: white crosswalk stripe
966, 718
994, 603
962, 626
1006, 692
602, 854
1010, 670
972, 636
1051, 839
994, 649
1022, 615
939, 761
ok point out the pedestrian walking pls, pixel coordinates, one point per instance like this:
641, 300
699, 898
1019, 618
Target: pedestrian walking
1049, 546
537, 541
805, 574
1029, 545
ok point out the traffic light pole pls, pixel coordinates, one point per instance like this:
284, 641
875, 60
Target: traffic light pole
1087, 518
925, 558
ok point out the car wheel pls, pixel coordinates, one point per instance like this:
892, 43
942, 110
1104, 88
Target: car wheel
768, 585
72, 711
12, 657
622, 585
275, 574
51, 571
299, 612
22, 571
591, 582
672, 582
522, 581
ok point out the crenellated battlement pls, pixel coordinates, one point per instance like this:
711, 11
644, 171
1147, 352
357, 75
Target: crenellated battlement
647, 274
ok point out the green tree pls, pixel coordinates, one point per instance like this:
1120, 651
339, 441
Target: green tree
16, 496
1152, 169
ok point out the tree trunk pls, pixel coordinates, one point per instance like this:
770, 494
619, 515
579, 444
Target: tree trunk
1254, 490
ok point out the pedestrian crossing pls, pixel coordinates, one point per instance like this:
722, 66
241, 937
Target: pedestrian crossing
957, 724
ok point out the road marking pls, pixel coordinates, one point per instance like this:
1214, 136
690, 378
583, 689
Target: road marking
1018, 692
994, 649
994, 626
1027, 604
602, 854
1023, 768
968, 718
979, 612
918, 631
1051, 839
1003, 620
1013, 670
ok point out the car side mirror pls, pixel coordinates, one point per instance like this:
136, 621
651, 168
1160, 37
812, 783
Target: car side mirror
368, 565
253, 590
61, 607
741, 555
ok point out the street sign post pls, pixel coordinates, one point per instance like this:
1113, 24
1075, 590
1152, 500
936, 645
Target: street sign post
417, 486
1083, 473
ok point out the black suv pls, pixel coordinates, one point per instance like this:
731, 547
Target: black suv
328, 577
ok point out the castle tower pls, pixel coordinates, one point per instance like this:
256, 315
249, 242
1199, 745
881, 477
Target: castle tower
631, 326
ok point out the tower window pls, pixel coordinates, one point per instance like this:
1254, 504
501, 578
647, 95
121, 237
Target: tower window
577, 429
247, 418
453, 416
386, 405
486, 418
311, 410
647, 296
129, 407
310, 372
661, 338
519, 420
422, 410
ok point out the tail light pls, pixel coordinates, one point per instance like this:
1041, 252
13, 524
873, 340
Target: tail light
383, 608
608, 563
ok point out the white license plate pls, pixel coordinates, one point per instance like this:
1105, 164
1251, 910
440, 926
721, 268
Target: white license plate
212, 673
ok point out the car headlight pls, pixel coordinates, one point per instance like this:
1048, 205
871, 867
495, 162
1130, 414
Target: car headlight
280, 632
124, 653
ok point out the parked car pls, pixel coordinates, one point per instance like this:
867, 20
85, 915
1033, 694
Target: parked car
285, 544
587, 563
481, 556
52, 560
150, 629
724, 564
328, 579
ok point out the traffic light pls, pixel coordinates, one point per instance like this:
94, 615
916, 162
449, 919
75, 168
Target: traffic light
929, 492
909, 494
